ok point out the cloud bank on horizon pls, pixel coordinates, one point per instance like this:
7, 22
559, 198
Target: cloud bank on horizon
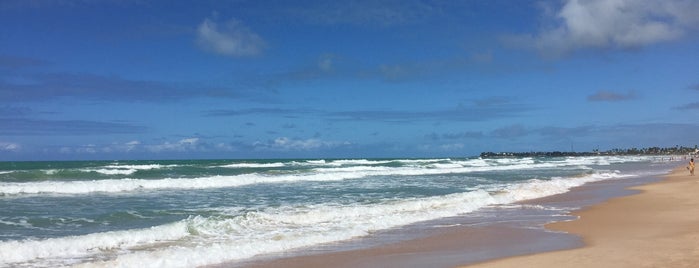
254, 79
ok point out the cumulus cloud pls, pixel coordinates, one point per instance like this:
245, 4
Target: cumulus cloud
289, 144
583, 24
9, 147
186, 145
183, 145
193, 145
129, 146
230, 38
115, 147
604, 95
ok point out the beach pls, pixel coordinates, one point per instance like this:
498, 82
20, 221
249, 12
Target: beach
655, 224
659, 227
307, 212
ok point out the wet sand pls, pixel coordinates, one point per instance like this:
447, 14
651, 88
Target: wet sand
659, 227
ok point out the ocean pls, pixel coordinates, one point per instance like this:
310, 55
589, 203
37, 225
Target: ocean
204, 212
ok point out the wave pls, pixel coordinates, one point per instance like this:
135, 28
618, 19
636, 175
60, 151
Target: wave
22, 222
125, 169
140, 167
253, 165
318, 163
537, 188
417, 161
66, 249
75, 171
51, 171
198, 240
347, 162
316, 174
111, 171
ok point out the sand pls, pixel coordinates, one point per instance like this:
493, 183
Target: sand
659, 227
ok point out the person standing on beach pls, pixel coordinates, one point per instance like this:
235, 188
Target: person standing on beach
691, 167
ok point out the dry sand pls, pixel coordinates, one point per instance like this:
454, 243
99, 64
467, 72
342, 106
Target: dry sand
658, 227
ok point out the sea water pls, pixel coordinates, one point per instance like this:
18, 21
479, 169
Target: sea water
203, 212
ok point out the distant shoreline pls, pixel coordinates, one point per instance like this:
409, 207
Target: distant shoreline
633, 151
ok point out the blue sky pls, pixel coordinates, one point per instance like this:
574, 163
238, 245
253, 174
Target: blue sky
311, 79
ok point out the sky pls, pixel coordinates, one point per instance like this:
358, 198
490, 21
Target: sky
122, 79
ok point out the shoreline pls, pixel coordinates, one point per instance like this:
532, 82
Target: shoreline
658, 227
470, 244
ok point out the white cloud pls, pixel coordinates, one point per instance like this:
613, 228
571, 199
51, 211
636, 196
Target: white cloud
90, 148
122, 147
583, 24
231, 38
287, 144
84, 149
131, 145
183, 145
9, 147
290, 144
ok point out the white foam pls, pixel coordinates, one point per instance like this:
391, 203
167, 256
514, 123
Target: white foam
346, 162
72, 247
127, 185
536, 188
200, 240
318, 174
140, 167
446, 166
22, 222
253, 165
50, 171
124, 169
422, 161
215, 240
316, 162
111, 171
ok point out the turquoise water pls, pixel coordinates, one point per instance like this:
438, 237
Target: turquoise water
199, 212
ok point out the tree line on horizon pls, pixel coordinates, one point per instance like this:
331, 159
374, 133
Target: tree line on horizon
677, 150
